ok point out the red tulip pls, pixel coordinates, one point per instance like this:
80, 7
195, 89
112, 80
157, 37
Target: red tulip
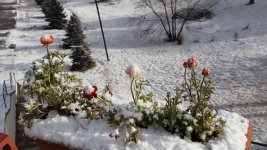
47, 39
185, 64
206, 72
91, 95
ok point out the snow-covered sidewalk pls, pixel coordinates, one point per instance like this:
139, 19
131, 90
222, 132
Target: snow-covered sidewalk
6, 56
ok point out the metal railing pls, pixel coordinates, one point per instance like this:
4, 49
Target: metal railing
11, 80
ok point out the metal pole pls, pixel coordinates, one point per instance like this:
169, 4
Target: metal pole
101, 29
4, 96
260, 144
10, 80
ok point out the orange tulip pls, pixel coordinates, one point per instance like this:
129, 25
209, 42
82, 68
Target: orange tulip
47, 39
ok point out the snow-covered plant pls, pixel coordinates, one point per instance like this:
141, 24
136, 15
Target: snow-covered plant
50, 87
199, 122
126, 129
138, 114
142, 97
95, 108
170, 116
97, 104
48, 83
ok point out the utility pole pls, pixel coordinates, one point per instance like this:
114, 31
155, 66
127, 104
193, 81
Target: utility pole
102, 29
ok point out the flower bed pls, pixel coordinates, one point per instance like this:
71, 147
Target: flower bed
64, 109
94, 134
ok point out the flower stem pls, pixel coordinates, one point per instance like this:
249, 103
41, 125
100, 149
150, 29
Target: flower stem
50, 64
195, 84
201, 85
188, 88
132, 91
202, 82
47, 50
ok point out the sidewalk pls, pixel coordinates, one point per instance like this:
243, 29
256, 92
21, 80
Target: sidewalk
7, 21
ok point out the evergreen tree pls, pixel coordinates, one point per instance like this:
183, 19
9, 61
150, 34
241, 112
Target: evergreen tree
81, 55
39, 2
81, 58
45, 7
54, 13
74, 33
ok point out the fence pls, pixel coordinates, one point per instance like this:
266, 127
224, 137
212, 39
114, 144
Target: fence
10, 115
5, 92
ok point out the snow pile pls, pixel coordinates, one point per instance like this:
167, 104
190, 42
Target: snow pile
94, 134
235, 131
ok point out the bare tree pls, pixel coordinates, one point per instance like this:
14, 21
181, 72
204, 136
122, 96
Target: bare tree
166, 12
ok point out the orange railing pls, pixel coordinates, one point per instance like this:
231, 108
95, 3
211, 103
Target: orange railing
7, 143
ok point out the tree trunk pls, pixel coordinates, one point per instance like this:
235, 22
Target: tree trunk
251, 2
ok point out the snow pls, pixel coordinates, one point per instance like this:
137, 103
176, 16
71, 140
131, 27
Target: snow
91, 134
239, 68
88, 89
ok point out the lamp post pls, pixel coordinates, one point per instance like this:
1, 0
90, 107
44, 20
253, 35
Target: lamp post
102, 29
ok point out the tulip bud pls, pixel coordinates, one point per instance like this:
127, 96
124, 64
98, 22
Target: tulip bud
47, 39
133, 71
185, 64
206, 72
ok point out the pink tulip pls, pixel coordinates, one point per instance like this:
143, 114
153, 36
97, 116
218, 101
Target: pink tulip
133, 71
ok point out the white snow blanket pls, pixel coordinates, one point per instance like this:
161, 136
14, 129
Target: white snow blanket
94, 134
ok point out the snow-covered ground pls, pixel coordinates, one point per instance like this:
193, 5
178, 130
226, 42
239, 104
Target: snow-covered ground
6, 59
239, 68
